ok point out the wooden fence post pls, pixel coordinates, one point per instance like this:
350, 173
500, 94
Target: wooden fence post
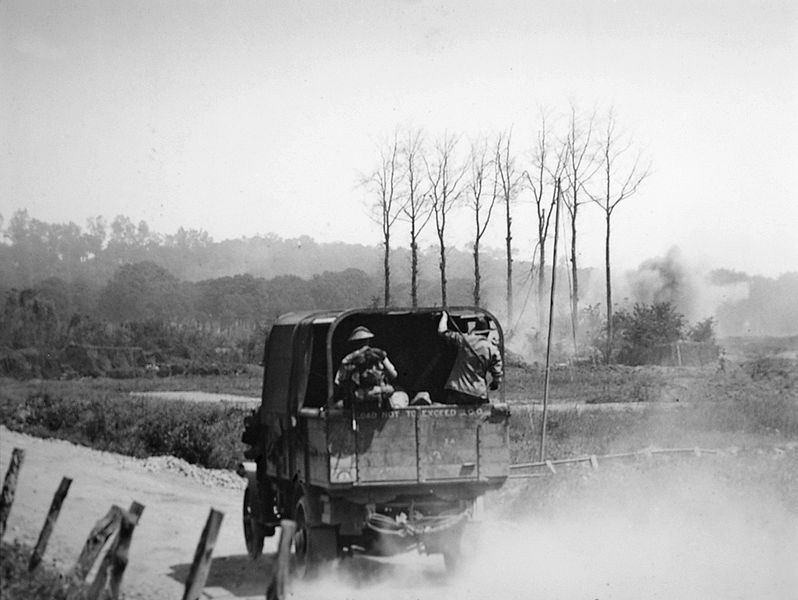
102, 530
49, 523
115, 560
276, 589
10, 487
202, 557
119, 557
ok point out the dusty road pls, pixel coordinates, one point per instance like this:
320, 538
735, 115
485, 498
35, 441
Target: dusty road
176, 506
679, 530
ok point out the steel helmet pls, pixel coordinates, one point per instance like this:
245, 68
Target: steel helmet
360, 333
481, 324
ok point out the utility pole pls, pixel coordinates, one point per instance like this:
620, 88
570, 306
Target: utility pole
551, 324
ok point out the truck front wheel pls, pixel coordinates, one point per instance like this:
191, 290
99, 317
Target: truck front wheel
254, 532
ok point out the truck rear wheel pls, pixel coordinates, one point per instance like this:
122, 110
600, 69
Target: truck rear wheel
453, 557
313, 544
450, 544
253, 531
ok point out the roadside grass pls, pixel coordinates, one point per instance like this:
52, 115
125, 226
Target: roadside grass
246, 384
733, 423
45, 583
602, 384
721, 410
207, 434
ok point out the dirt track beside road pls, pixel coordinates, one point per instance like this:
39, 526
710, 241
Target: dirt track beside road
177, 502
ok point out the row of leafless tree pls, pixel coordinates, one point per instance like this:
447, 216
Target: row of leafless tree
576, 158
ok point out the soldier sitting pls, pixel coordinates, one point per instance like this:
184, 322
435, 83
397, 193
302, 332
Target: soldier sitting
364, 374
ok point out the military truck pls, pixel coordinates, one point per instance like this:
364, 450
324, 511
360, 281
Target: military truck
368, 479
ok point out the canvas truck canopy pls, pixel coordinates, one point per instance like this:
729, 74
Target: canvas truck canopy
304, 350
287, 362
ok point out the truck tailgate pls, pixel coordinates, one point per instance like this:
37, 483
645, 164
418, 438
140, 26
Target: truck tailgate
411, 446
447, 444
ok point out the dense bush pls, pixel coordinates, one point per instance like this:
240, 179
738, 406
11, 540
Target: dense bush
644, 328
201, 433
640, 334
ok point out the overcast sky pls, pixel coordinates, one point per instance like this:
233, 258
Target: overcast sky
252, 117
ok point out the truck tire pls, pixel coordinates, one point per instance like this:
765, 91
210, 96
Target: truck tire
450, 544
253, 531
453, 554
453, 557
313, 544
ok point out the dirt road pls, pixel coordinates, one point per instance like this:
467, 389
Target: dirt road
177, 499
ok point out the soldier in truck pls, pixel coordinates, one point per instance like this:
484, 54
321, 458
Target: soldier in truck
477, 356
366, 372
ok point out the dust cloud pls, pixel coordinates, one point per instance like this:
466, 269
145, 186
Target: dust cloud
672, 278
680, 531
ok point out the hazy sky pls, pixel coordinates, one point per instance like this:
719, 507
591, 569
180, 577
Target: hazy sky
251, 117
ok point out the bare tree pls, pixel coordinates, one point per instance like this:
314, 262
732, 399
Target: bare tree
417, 210
481, 206
508, 180
623, 174
444, 179
547, 165
580, 165
384, 184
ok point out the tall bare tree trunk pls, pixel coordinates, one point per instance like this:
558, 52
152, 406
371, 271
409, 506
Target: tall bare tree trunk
442, 266
541, 287
505, 167
386, 267
581, 166
574, 275
413, 266
444, 180
509, 250
383, 182
546, 169
477, 276
609, 286
416, 209
480, 164
627, 175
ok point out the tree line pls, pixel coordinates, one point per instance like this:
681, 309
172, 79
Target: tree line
145, 315
574, 159
160, 318
32, 250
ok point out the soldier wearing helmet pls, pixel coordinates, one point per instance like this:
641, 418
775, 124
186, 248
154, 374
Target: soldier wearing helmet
365, 372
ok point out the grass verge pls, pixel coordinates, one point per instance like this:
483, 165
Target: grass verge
201, 433
45, 583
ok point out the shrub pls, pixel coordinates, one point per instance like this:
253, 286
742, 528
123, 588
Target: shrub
45, 583
205, 434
